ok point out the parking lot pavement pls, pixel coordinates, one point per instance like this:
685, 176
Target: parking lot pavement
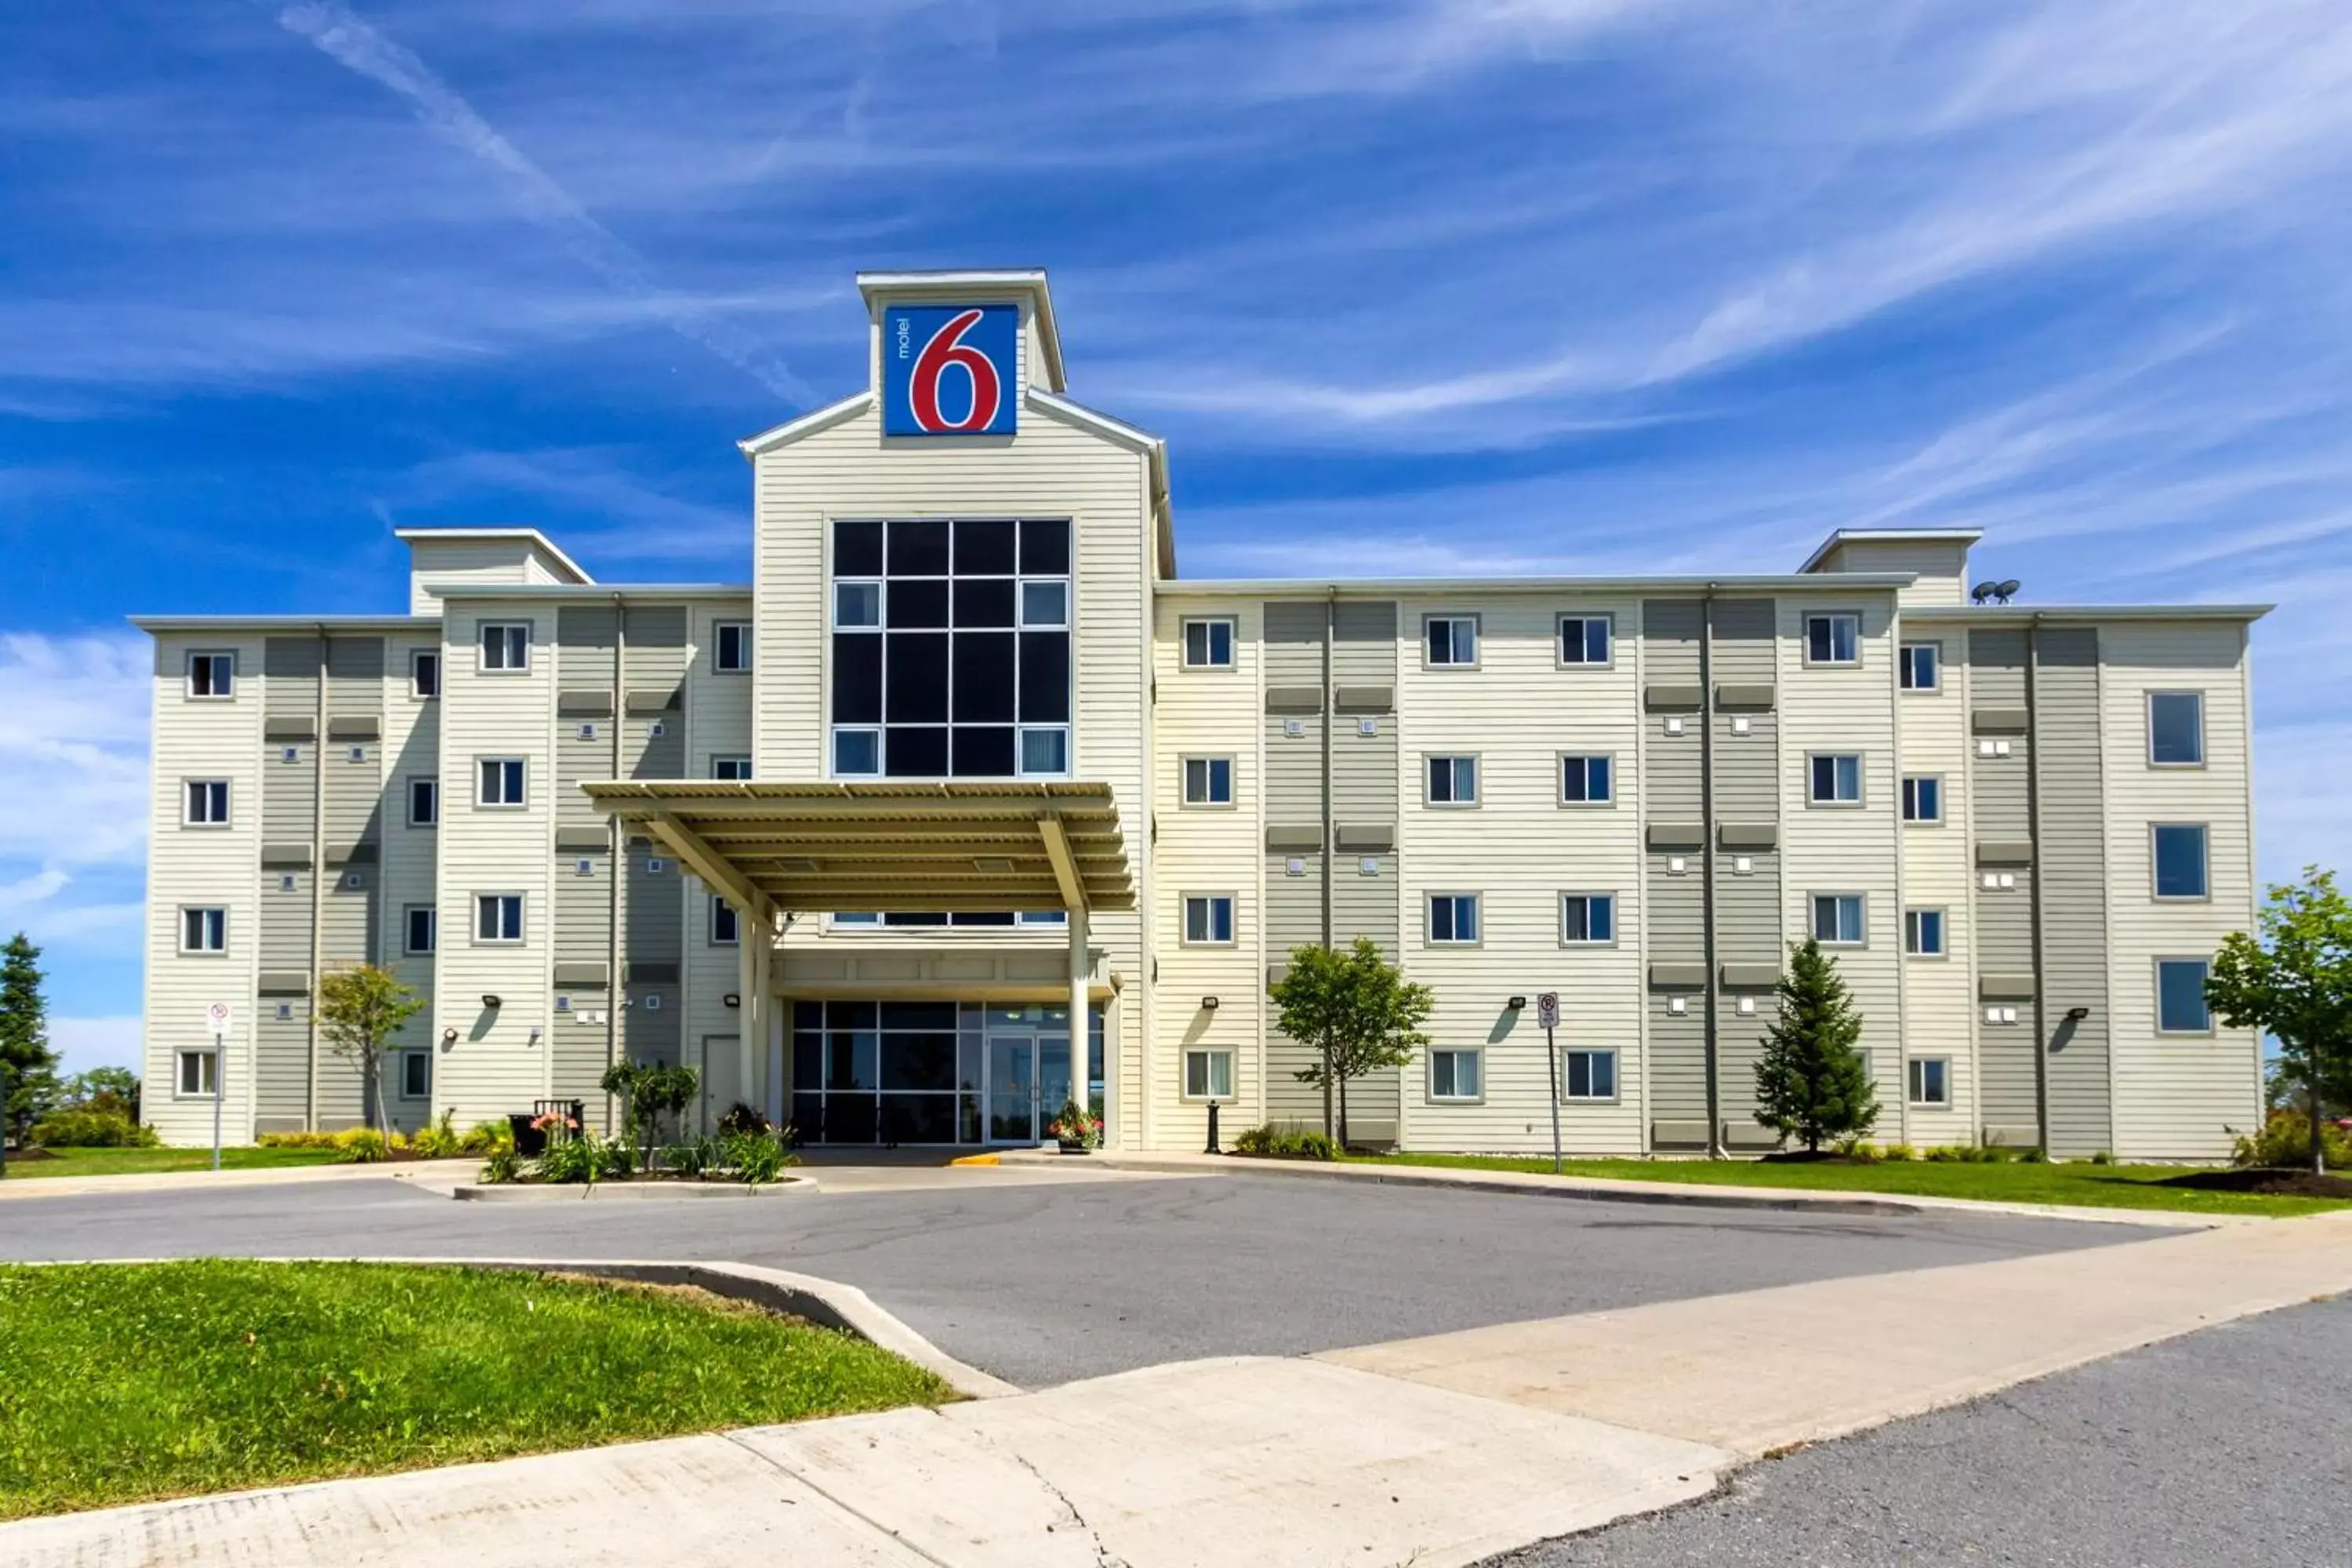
2229, 1446
1041, 1284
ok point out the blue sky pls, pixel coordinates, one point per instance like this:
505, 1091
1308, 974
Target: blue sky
1579, 286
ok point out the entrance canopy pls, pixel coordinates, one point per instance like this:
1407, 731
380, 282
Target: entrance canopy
892, 847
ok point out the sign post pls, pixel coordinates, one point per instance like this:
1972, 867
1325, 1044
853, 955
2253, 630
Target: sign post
1548, 1015
218, 1017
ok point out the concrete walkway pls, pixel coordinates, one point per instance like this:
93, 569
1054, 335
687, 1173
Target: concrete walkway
1431, 1451
422, 1171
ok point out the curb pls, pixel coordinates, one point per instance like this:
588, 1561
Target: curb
654, 1191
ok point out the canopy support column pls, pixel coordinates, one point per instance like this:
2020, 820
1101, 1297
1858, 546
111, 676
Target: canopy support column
1079, 970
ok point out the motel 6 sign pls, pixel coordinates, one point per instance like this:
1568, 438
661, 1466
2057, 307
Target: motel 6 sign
951, 369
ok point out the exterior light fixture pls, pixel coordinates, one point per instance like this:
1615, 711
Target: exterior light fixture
733, 999
1516, 1004
2076, 1015
1208, 1004
448, 1038
490, 1000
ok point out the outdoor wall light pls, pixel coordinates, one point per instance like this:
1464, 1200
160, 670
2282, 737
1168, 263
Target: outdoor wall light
489, 1001
448, 1038
733, 999
1517, 1004
2076, 1015
1208, 1004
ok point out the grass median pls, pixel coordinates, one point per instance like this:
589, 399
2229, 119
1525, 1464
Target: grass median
2077, 1182
122, 1382
32, 1165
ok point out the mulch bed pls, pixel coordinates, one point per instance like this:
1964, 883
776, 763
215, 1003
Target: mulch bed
18, 1156
2267, 1180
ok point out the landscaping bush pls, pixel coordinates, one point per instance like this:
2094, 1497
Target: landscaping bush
297, 1140
743, 1118
696, 1158
366, 1145
757, 1158
488, 1137
1898, 1153
579, 1159
1965, 1154
503, 1166
437, 1140
91, 1129
2284, 1139
1268, 1143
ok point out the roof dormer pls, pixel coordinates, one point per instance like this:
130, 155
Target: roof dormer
1937, 557
474, 556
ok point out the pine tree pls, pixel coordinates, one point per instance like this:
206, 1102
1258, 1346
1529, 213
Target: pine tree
1810, 1081
31, 1067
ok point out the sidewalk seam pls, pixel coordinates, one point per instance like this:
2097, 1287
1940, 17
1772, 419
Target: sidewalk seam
860, 1515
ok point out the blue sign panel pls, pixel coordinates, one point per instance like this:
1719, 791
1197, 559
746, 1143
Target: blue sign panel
950, 370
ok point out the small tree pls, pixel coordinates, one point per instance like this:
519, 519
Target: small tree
1357, 1008
105, 1088
2296, 981
359, 1010
1810, 1081
28, 1064
647, 1092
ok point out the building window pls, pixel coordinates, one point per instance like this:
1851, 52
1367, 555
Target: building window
1588, 919
934, 674
2180, 1007
2176, 729
1454, 919
1589, 1075
725, 929
416, 1075
424, 673
506, 646
2179, 853
204, 928
424, 803
1453, 781
1207, 919
199, 1074
207, 802
1922, 666
1923, 798
1208, 1074
1451, 641
418, 932
1584, 639
501, 781
498, 917
212, 675
1836, 779
1208, 781
1454, 1075
737, 768
1833, 640
1837, 918
1044, 606
1209, 643
1586, 781
1931, 1081
730, 652
1045, 918
1923, 932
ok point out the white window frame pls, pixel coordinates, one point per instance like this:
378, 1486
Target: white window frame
188, 797
504, 631
1206, 1055
222, 923
1853, 619
410, 1061
1208, 660
1911, 792
1453, 620
207, 655
1586, 898
1208, 904
418, 658
2204, 895
408, 914
833, 751
1453, 763
1429, 919
1913, 925
1833, 801
522, 920
832, 605
723, 913
1560, 780
1581, 619
1021, 751
1454, 1096
2156, 996
207, 1061
1021, 619
1616, 1084
2147, 707
482, 776
1915, 1084
742, 664
1907, 670
730, 769
1207, 799
1862, 916
431, 784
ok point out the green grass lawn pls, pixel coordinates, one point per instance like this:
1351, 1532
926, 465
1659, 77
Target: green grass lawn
2098, 1186
139, 1162
126, 1382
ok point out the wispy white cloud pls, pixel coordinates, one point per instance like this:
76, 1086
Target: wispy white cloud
73, 767
82, 1043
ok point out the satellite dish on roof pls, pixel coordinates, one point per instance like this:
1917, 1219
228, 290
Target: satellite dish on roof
1994, 592
2007, 591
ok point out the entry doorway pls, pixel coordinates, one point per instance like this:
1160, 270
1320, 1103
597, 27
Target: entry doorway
1012, 1088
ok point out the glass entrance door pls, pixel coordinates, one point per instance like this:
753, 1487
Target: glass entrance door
1012, 1088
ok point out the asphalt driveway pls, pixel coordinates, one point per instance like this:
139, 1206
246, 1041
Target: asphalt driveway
1043, 1283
